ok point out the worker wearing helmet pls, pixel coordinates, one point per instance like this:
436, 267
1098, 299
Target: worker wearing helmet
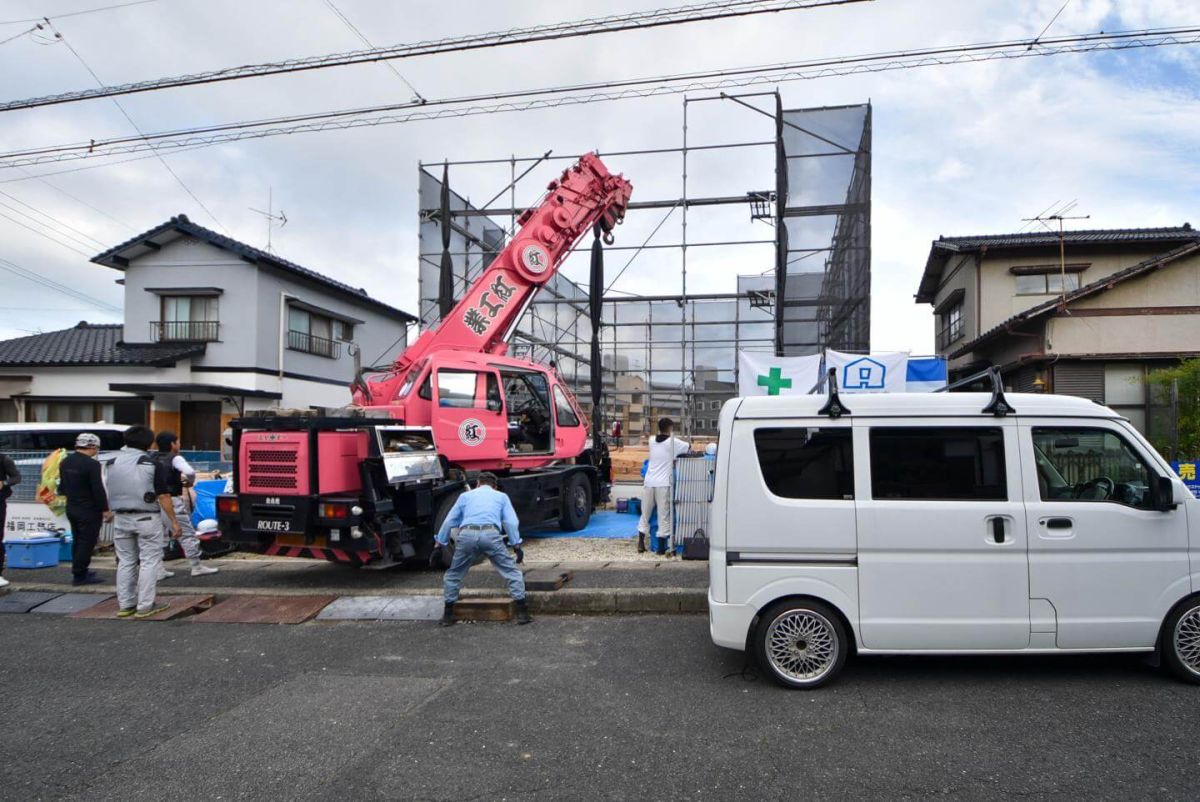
482, 516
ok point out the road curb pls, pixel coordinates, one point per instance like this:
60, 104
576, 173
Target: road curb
580, 601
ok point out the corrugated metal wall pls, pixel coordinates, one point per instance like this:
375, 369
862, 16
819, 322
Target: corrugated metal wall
1083, 379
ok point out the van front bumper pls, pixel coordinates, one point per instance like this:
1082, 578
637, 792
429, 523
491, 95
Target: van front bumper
729, 624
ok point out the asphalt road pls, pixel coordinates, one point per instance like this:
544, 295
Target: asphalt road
640, 708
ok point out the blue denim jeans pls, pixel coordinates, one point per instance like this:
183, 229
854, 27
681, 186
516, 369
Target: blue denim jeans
473, 543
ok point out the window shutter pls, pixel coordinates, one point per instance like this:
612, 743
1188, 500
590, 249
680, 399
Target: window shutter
1084, 379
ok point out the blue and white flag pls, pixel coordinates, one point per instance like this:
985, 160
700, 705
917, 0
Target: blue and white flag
877, 372
925, 374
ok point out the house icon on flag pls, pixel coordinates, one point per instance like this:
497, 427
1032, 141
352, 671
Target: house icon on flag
864, 374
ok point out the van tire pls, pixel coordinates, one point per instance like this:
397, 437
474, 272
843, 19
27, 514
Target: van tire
1180, 640
576, 503
801, 643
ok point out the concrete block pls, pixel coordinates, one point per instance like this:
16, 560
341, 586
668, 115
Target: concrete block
71, 603
22, 601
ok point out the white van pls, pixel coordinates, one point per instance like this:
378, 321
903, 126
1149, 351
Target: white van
947, 523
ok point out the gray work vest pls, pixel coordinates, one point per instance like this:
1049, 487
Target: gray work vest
130, 482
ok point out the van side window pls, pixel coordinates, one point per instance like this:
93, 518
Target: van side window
949, 464
562, 409
1082, 464
806, 463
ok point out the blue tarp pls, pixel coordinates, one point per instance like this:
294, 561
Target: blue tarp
206, 499
604, 524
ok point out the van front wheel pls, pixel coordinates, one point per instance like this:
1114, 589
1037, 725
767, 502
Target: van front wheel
1181, 641
801, 644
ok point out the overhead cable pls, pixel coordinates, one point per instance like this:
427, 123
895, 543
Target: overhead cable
137, 128
50, 284
76, 13
549, 97
655, 18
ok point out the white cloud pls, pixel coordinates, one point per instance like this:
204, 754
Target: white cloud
957, 149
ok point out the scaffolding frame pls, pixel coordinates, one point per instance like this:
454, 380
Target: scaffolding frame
684, 360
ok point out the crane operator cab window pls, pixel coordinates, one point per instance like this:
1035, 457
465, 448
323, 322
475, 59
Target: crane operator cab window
530, 422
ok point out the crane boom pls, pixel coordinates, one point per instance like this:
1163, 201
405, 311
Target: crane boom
483, 321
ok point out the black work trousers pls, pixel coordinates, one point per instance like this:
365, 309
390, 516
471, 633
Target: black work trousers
85, 529
3, 523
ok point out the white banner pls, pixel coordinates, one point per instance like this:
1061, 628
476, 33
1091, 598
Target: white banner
877, 372
765, 374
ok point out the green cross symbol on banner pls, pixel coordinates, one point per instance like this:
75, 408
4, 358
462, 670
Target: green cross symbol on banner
774, 381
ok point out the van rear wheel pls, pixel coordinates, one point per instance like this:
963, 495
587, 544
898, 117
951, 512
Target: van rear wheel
1181, 641
801, 644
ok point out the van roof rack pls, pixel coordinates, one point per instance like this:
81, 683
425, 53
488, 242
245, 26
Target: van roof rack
999, 405
834, 407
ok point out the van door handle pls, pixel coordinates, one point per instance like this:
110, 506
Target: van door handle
1057, 523
998, 530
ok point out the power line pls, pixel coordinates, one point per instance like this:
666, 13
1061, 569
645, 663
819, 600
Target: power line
53, 227
83, 237
697, 12
363, 38
75, 198
550, 97
41, 233
112, 163
50, 284
77, 13
125, 114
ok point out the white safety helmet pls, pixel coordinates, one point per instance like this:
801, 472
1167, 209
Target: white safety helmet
207, 527
711, 449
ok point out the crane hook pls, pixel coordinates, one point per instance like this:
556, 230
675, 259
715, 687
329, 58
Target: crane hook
608, 238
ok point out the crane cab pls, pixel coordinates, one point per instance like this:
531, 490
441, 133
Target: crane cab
491, 412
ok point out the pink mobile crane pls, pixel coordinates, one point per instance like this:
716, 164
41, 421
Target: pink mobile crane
373, 484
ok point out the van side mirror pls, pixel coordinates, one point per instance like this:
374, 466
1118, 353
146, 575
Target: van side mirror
1164, 494
493, 405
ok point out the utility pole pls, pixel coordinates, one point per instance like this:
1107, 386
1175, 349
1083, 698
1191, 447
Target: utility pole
271, 218
1060, 216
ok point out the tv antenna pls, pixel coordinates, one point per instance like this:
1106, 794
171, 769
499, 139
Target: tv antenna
272, 218
1046, 218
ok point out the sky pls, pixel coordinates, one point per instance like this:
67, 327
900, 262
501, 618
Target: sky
963, 149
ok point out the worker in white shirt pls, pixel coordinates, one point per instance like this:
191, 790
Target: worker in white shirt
182, 476
656, 492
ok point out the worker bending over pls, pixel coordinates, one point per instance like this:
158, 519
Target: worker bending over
181, 476
137, 491
482, 516
656, 491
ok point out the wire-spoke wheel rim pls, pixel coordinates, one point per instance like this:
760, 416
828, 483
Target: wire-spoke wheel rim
802, 645
1187, 640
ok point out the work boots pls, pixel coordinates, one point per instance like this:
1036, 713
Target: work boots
447, 615
523, 616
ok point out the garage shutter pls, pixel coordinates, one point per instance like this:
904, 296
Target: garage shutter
1084, 379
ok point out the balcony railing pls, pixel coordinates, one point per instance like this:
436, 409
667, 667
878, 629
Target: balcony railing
309, 344
203, 331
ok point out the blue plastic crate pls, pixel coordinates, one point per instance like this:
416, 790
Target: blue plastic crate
64, 548
36, 552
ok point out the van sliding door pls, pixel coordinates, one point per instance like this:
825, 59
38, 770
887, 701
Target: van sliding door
942, 560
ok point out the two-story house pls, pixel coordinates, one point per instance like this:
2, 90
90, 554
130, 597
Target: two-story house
1089, 315
213, 328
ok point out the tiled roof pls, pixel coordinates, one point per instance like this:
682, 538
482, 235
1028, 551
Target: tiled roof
943, 247
1096, 287
90, 344
118, 257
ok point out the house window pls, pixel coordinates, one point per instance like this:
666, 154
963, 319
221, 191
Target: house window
123, 411
951, 327
314, 333
189, 318
1047, 283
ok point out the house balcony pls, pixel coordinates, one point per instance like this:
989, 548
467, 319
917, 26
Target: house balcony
184, 331
310, 344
